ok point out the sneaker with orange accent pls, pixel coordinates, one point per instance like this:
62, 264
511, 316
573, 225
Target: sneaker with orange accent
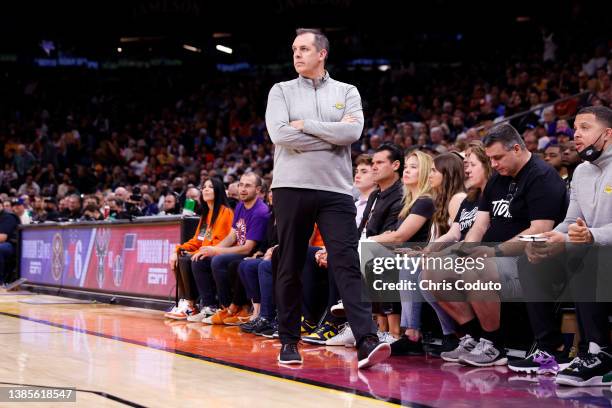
234, 319
184, 312
218, 317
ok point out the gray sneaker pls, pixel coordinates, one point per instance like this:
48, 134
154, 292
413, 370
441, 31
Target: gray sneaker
466, 344
485, 354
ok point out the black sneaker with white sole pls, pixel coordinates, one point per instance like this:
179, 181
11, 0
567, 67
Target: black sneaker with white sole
271, 332
541, 362
589, 371
290, 354
372, 351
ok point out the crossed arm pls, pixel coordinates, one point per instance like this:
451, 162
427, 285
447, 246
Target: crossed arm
312, 135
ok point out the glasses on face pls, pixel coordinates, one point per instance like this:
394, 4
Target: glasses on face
511, 192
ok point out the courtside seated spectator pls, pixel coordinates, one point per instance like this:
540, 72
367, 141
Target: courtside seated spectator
191, 265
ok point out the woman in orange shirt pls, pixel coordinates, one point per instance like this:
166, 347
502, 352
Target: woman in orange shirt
191, 267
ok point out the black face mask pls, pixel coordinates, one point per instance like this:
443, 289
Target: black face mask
591, 153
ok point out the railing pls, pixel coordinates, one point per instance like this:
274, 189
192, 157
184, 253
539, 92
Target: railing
539, 108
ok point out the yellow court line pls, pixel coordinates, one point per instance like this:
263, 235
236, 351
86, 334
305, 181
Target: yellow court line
269, 376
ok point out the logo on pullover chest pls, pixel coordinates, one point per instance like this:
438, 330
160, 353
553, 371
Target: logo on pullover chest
501, 208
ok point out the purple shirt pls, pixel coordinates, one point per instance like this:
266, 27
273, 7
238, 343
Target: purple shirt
251, 224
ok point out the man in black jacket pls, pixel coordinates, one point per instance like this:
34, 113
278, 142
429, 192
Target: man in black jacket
385, 203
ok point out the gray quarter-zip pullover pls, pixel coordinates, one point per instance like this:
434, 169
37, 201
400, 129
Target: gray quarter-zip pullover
591, 198
319, 157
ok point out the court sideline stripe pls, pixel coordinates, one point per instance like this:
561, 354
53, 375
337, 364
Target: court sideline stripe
222, 362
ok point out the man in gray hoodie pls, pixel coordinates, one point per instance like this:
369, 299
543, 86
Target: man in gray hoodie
588, 221
313, 120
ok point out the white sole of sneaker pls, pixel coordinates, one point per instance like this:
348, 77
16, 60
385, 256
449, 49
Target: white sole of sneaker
536, 370
337, 311
596, 381
176, 317
526, 370
500, 362
380, 353
290, 361
311, 341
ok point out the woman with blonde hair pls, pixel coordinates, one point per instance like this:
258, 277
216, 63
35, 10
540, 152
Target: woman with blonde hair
418, 205
413, 226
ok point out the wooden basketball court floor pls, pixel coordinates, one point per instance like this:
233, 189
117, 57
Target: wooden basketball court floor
121, 356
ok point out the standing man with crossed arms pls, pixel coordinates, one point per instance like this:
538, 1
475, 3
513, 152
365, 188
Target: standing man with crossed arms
313, 120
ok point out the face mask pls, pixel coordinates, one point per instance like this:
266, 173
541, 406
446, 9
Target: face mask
591, 153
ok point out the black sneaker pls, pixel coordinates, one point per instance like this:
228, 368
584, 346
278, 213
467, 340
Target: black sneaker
290, 354
588, 371
249, 326
449, 343
541, 362
372, 351
272, 331
263, 326
406, 347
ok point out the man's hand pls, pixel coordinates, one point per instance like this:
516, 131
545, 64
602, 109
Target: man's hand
298, 124
321, 258
579, 232
173, 261
349, 119
203, 252
268, 254
255, 255
537, 251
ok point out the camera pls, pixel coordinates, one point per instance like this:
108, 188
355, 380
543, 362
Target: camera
136, 195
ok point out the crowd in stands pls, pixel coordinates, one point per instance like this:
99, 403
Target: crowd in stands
99, 153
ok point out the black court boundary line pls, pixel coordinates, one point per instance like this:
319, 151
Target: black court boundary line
222, 362
99, 393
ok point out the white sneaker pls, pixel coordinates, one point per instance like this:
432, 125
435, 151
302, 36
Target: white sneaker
197, 317
209, 310
337, 310
344, 338
182, 304
386, 337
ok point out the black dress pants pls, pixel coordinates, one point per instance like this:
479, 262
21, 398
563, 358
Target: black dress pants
296, 212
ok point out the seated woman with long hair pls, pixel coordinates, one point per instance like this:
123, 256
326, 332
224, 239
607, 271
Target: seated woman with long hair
190, 266
413, 226
446, 179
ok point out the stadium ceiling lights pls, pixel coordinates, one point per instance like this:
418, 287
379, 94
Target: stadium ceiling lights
139, 39
191, 48
224, 49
